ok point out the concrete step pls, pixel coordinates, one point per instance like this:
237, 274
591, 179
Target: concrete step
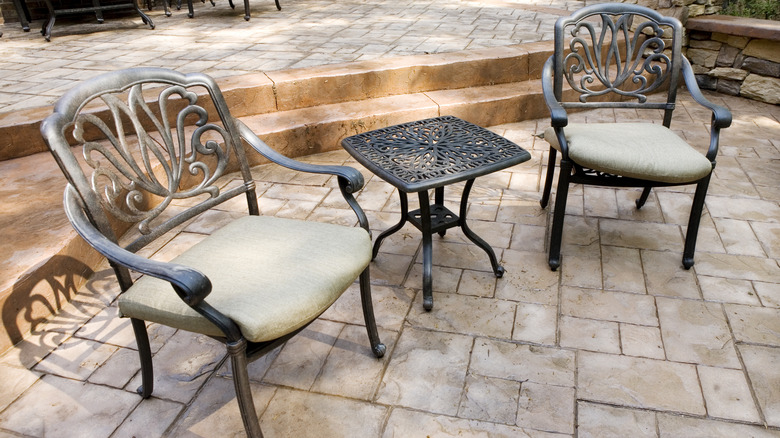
44, 260
287, 90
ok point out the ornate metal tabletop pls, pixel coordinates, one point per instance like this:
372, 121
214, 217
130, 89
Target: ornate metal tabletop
433, 152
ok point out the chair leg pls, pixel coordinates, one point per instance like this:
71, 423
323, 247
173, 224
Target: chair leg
693, 221
368, 314
246, 404
145, 354
560, 211
246, 10
548, 180
643, 197
278, 6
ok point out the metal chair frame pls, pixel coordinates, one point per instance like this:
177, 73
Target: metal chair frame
651, 65
94, 203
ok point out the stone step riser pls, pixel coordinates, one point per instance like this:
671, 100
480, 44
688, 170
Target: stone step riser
289, 90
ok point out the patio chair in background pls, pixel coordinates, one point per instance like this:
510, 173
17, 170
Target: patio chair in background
191, 11
252, 284
615, 56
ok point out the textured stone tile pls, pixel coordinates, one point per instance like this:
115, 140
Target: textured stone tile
460, 255
305, 414
76, 359
769, 293
664, 275
118, 369
580, 231
626, 203
761, 365
477, 283
215, 411
535, 323
490, 399
528, 278
603, 421
744, 209
507, 360
737, 267
445, 280
15, 382
391, 304
758, 325
152, 417
467, 315
672, 426
56, 406
183, 365
301, 360
609, 306
728, 291
427, 371
404, 422
768, 233
351, 369
590, 334
546, 407
600, 202
638, 383
696, 332
637, 340
727, 394
581, 266
641, 235
738, 237
622, 269
390, 269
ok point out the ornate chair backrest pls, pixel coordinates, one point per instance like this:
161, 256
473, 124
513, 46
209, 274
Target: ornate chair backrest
148, 165
616, 55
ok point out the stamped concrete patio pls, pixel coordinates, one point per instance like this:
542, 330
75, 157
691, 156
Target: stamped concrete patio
621, 341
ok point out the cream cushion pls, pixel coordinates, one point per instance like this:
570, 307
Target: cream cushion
637, 150
269, 275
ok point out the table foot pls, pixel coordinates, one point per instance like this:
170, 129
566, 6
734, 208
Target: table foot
427, 302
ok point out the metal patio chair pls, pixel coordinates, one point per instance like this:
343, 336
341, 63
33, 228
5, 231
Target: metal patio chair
149, 168
625, 57
191, 11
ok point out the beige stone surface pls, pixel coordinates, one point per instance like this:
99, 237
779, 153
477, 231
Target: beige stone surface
762, 88
639, 383
764, 49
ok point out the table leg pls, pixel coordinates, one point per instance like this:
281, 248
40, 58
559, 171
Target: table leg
498, 270
394, 228
439, 199
427, 247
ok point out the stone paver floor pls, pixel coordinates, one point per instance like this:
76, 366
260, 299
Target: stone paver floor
621, 341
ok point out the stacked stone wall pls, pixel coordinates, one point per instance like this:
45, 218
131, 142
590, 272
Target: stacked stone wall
736, 65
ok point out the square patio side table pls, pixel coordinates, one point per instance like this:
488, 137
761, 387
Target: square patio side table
430, 154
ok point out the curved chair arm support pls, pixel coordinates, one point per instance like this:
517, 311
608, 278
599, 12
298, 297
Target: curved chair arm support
721, 117
346, 192
353, 177
190, 284
557, 112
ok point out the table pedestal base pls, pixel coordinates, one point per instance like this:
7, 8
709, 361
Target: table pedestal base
432, 219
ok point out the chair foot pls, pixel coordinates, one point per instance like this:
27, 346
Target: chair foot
379, 350
687, 262
428, 303
500, 272
555, 263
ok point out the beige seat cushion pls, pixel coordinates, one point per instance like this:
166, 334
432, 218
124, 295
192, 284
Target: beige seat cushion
637, 150
270, 275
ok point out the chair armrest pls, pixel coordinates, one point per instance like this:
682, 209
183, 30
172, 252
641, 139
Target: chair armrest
557, 112
721, 117
353, 178
191, 285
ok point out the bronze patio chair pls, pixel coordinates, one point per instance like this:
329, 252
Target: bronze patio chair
624, 57
252, 284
